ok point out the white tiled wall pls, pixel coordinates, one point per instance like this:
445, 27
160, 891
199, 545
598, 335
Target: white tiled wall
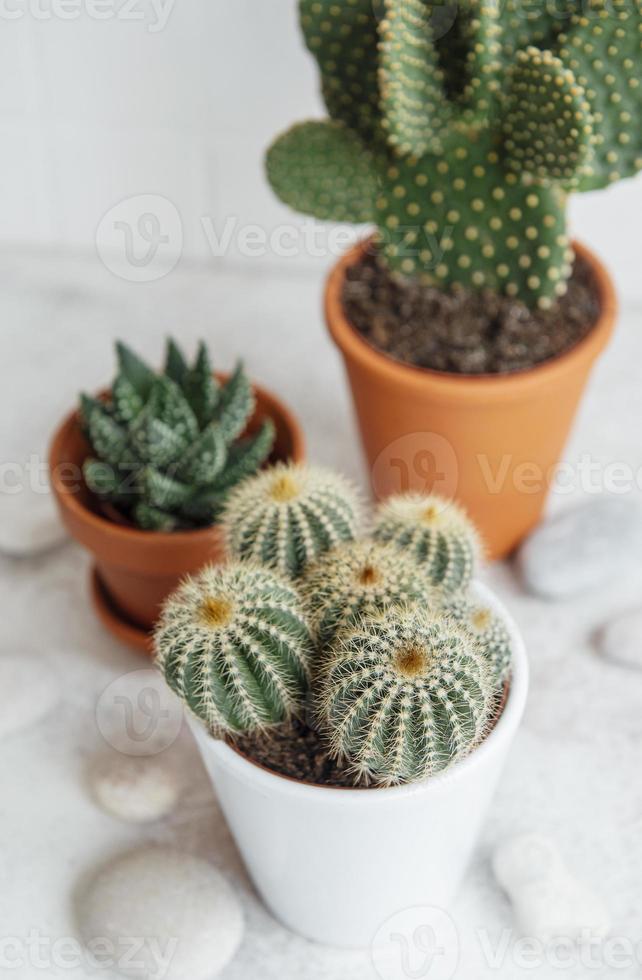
94, 111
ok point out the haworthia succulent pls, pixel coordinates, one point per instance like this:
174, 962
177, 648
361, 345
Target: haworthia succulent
166, 448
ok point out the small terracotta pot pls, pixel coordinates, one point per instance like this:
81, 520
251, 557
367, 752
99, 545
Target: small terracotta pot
136, 570
490, 441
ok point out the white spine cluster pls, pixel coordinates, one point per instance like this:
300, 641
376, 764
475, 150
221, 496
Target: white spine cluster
404, 695
358, 579
234, 644
288, 516
489, 631
436, 532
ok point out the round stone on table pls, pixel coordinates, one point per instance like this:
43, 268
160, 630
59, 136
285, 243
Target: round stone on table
29, 524
582, 548
134, 788
159, 913
621, 639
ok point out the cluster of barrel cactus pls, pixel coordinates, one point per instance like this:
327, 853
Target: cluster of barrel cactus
460, 130
379, 638
168, 448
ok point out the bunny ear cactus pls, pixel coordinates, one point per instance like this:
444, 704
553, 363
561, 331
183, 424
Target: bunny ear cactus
234, 645
403, 696
436, 532
289, 515
166, 447
359, 579
462, 140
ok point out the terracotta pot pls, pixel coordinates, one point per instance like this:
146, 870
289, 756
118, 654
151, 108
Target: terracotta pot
490, 441
136, 570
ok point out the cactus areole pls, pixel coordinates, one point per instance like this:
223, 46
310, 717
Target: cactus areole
461, 138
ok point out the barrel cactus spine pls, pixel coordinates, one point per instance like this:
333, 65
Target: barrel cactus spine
462, 140
289, 515
488, 629
436, 532
403, 696
234, 644
359, 579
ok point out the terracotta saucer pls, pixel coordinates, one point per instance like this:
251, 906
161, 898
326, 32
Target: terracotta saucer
117, 624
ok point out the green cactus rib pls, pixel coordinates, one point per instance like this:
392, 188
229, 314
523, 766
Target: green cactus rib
436, 533
359, 579
289, 515
473, 135
166, 447
489, 631
234, 645
403, 696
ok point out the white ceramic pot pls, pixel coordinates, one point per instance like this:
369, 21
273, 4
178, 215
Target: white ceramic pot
335, 864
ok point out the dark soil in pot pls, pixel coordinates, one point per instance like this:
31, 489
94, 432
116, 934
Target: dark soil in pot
299, 752
296, 751
460, 331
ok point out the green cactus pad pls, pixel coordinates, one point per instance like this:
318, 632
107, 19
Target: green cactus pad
288, 516
601, 45
343, 38
234, 645
410, 78
359, 579
481, 37
548, 124
459, 219
473, 134
404, 696
436, 532
324, 169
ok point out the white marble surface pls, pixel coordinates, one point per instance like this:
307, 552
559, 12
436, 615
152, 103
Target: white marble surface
574, 773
